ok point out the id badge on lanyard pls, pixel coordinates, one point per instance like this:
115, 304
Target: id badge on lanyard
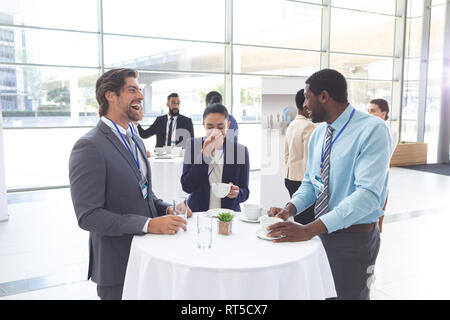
318, 184
143, 184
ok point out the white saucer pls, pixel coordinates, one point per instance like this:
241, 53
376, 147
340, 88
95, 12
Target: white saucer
165, 156
215, 212
261, 234
243, 218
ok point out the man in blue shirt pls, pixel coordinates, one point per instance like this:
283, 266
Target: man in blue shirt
347, 176
216, 97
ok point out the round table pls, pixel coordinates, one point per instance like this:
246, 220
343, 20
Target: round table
166, 175
239, 266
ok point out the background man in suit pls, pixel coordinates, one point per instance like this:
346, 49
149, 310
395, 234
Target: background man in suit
170, 129
110, 184
296, 153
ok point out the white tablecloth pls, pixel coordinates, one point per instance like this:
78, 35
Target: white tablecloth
239, 266
166, 175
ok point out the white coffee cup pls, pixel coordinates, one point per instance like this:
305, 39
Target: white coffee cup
253, 211
266, 221
220, 190
159, 150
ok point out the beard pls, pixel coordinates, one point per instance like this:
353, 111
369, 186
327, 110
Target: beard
173, 112
132, 113
318, 114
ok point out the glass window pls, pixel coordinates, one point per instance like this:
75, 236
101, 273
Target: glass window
192, 90
49, 150
356, 32
33, 96
364, 67
247, 98
275, 61
181, 19
413, 37
379, 6
48, 47
277, 23
409, 111
360, 92
164, 55
412, 69
51, 13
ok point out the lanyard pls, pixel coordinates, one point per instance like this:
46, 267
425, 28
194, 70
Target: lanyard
126, 144
221, 155
332, 142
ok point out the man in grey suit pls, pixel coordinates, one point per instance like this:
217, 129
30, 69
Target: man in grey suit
110, 184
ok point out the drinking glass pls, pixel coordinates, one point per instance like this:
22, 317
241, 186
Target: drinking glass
204, 231
180, 208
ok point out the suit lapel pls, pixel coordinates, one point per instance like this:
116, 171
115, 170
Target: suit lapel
120, 147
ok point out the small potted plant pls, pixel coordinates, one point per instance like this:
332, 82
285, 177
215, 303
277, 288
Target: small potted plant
225, 220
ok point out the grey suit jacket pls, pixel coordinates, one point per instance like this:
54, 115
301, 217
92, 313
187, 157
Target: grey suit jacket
108, 202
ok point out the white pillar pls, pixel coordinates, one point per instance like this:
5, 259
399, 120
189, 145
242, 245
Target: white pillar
3, 202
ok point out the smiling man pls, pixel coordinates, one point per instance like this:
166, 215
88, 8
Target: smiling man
110, 184
346, 177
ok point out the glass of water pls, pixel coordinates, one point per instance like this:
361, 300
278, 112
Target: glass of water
180, 208
204, 231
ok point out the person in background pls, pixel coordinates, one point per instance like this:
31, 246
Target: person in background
380, 108
172, 129
216, 97
215, 159
296, 154
110, 184
347, 177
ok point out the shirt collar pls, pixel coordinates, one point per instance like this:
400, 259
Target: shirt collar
174, 117
299, 116
113, 128
340, 122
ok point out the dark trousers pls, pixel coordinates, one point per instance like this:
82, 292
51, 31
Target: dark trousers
110, 293
306, 216
352, 257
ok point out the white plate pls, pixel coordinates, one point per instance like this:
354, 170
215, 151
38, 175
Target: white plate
244, 218
215, 212
166, 156
261, 234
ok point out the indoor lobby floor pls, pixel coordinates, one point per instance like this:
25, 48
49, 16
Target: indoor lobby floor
44, 253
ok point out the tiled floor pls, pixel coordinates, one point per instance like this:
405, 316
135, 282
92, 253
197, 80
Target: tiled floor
43, 252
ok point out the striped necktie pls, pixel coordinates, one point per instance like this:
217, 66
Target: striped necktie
321, 206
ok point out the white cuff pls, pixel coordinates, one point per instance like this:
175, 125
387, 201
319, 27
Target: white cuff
145, 229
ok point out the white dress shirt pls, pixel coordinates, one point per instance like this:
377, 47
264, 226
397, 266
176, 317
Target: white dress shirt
174, 126
216, 169
142, 160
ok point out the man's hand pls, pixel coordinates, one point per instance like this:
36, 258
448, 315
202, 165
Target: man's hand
290, 231
234, 191
167, 224
279, 213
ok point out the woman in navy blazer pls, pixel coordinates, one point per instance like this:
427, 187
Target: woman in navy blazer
195, 179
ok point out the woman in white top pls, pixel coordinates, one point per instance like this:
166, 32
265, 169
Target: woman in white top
380, 108
215, 159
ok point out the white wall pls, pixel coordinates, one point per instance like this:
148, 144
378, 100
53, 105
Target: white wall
276, 95
3, 202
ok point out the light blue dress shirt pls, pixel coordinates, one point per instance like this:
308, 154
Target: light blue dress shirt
359, 171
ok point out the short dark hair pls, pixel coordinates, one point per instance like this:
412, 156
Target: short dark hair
300, 99
213, 97
112, 80
172, 95
331, 81
216, 108
383, 105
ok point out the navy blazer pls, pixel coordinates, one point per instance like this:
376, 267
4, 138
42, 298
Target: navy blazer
194, 179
